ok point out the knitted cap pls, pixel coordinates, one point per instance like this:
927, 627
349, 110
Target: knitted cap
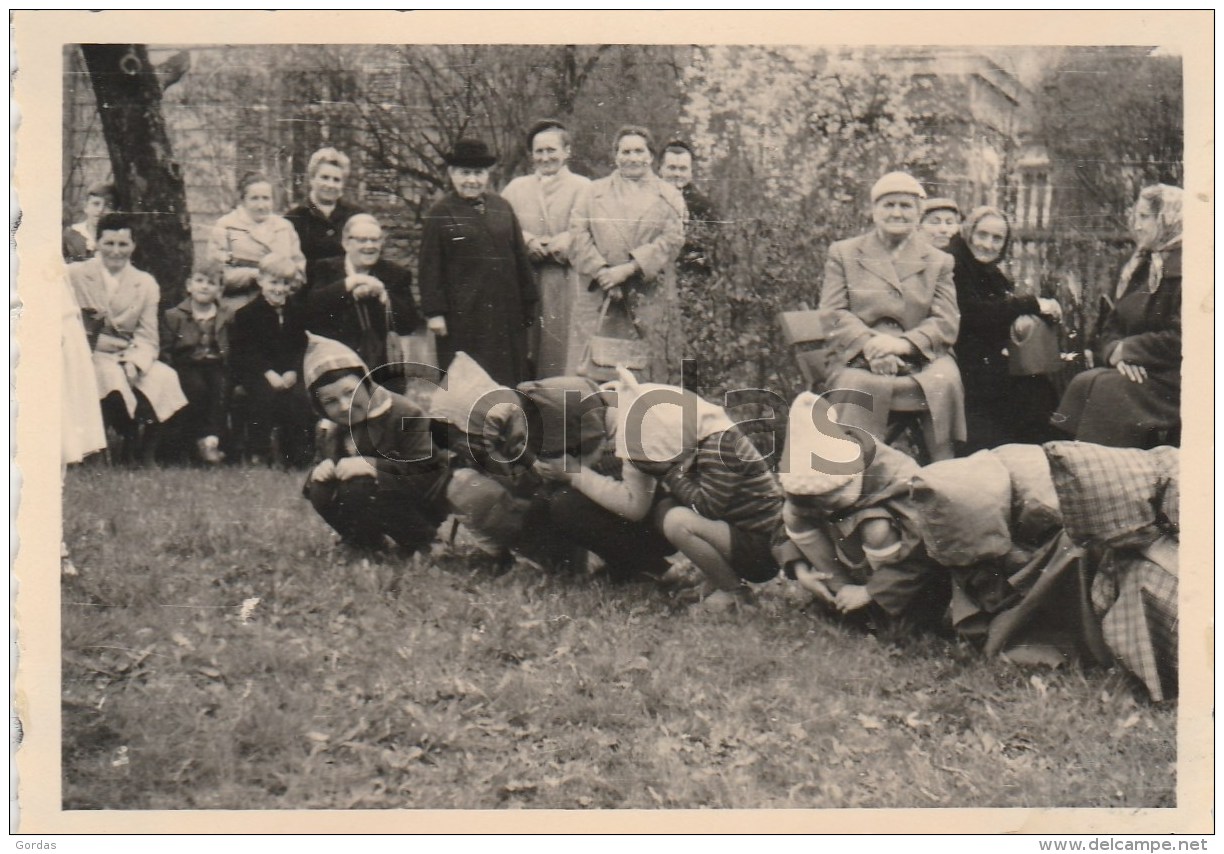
940, 204
669, 422
325, 354
897, 182
800, 474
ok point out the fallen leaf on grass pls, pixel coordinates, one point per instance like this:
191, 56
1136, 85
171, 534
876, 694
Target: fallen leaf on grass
181, 639
248, 608
869, 722
318, 737
1038, 683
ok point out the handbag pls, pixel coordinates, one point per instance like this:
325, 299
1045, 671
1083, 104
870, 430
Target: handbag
1033, 350
604, 353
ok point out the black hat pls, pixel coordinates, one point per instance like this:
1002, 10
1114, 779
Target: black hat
471, 154
540, 126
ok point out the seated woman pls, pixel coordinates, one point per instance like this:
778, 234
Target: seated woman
722, 505
892, 302
999, 408
1136, 401
941, 221
120, 305
242, 237
81, 239
853, 536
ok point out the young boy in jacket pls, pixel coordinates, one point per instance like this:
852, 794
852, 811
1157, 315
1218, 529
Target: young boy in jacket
382, 475
195, 342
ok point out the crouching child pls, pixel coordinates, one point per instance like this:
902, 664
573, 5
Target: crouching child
721, 506
382, 475
852, 533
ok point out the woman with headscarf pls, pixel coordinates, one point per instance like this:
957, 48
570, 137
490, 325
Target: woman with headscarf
242, 237
628, 229
543, 203
892, 303
999, 408
1137, 397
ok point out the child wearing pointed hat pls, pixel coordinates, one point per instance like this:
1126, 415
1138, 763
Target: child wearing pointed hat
852, 532
721, 504
382, 476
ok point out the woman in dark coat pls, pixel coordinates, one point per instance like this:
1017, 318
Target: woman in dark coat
1137, 398
477, 284
999, 408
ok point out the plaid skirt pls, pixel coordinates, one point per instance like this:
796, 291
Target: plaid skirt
1135, 595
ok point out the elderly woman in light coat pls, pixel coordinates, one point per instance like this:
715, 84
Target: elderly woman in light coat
543, 203
628, 229
241, 238
892, 302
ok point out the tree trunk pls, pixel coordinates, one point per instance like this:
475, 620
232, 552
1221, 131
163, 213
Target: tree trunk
148, 181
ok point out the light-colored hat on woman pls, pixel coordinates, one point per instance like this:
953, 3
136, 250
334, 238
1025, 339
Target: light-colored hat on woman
897, 182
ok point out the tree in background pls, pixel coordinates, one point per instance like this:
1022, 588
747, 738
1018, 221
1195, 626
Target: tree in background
1113, 121
793, 139
148, 181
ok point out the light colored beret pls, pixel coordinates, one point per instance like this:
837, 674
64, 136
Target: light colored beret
897, 182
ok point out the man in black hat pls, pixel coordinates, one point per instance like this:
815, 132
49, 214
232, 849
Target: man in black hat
477, 285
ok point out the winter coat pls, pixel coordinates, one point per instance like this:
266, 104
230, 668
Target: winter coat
475, 272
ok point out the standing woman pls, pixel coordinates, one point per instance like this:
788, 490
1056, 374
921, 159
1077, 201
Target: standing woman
81, 239
1139, 395
543, 203
999, 408
242, 237
891, 299
628, 229
319, 221
477, 287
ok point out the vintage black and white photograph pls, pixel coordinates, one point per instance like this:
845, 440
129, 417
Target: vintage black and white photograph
613, 425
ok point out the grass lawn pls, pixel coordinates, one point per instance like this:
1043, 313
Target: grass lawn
219, 654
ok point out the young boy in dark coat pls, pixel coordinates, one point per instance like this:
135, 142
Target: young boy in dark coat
195, 342
267, 341
382, 476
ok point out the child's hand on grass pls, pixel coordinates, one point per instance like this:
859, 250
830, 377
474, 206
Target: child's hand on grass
852, 597
814, 580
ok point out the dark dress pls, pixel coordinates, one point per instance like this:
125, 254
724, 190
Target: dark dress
700, 232
999, 408
1106, 408
320, 233
476, 273
361, 325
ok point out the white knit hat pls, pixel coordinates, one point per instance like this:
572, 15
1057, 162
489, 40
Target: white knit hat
802, 472
674, 421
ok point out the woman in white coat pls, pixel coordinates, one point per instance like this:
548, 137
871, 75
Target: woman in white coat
543, 202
